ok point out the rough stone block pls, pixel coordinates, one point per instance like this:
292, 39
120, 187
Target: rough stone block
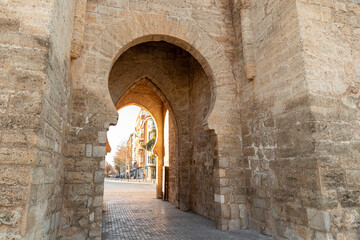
91, 217
234, 224
223, 162
75, 150
102, 137
21, 178
89, 202
102, 164
28, 103
323, 236
78, 177
319, 220
349, 197
95, 233
242, 211
99, 176
224, 182
99, 189
219, 198
88, 150
353, 178
99, 151
98, 201
83, 222
260, 203
10, 23
235, 213
14, 155
80, 189
4, 99
9, 217
12, 196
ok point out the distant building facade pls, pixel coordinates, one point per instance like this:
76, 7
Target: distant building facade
144, 141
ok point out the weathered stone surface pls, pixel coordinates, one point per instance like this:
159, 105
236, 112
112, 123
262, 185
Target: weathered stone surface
319, 220
102, 137
88, 150
10, 218
99, 176
12, 196
219, 198
97, 201
278, 154
99, 151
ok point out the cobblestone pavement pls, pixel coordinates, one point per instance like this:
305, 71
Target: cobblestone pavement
132, 212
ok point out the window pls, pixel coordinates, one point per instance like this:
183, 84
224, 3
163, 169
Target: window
152, 135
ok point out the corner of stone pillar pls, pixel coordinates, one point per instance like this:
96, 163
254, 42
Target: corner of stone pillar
247, 39
78, 28
159, 173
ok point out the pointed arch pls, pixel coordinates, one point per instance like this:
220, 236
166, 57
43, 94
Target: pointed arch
122, 34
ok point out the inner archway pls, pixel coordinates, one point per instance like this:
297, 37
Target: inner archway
135, 143
143, 93
160, 76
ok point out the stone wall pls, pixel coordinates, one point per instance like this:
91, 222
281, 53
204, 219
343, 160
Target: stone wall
202, 159
295, 128
101, 13
47, 174
281, 174
174, 174
34, 86
330, 34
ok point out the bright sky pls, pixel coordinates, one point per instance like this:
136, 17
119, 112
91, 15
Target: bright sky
119, 134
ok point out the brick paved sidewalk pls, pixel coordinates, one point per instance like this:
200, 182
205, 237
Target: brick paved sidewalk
138, 215
130, 180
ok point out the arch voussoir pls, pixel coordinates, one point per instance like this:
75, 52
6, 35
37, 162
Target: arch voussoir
108, 46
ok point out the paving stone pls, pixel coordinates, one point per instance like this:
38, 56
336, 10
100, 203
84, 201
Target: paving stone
131, 211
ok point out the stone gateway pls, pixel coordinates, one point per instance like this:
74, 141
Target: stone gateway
263, 100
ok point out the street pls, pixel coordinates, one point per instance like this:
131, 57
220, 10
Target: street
131, 212
119, 188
